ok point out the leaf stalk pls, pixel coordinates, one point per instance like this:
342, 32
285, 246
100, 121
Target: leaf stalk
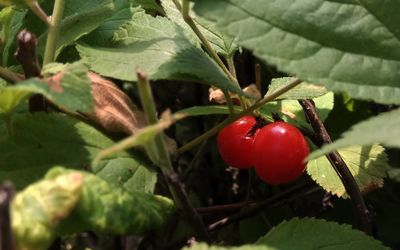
236, 116
54, 32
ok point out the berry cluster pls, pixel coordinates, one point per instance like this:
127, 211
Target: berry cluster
277, 150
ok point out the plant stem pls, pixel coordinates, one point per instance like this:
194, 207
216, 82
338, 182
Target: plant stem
174, 184
189, 20
236, 116
54, 31
10, 76
364, 218
35, 7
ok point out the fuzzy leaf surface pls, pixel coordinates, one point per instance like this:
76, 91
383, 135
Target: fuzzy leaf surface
356, 50
223, 44
79, 18
160, 48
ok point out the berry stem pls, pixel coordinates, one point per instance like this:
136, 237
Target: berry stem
322, 137
54, 32
236, 116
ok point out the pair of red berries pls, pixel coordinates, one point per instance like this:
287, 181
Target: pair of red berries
277, 150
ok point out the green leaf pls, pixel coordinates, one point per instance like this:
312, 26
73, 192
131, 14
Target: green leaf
159, 47
368, 165
37, 211
292, 112
11, 21
221, 43
80, 18
11, 98
104, 208
104, 34
310, 233
72, 92
148, 5
36, 142
302, 91
383, 129
68, 202
305, 234
203, 246
355, 51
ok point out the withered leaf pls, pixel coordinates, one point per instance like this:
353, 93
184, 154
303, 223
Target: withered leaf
113, 109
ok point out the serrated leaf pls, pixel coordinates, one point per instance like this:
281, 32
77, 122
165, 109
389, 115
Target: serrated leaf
302, 91
203, 246
221, 43
104, 208
37, 211
368, 165
292, 112
103, 35
355, 50
310, 233
383, 129
36, 142
305, 234
148, 5
69, 90
80, 18
159, 47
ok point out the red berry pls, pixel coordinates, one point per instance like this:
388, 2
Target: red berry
235, 143
278, 153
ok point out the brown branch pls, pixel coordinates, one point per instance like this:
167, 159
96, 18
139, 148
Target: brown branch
27, 57
6, 235
322, 137
225, 208
252, 209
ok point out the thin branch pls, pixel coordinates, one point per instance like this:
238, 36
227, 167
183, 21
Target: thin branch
257, 72
225, 208
277, 200
35, 7
365, 222
175, 186
236, 116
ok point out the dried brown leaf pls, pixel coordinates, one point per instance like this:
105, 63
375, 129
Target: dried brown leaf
113, 109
